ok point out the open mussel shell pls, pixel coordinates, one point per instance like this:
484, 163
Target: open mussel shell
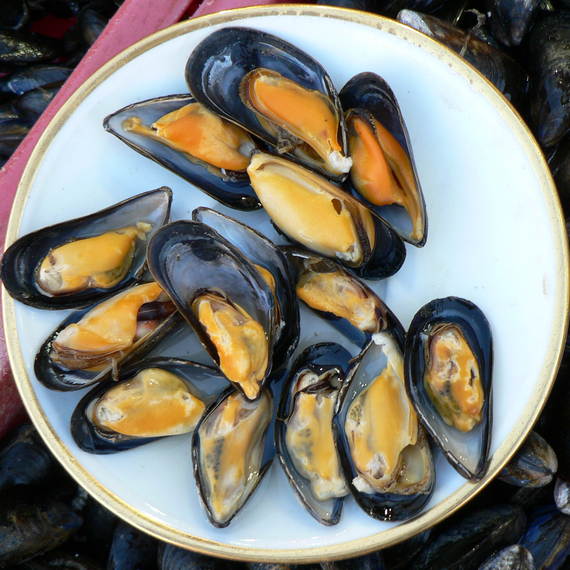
231, 452
313, 212
264, 254
215, 75
390, 471
119, 415
58, 376
229, 187
304, 441
452, 336
339, 297
370, 105
22, 260
193, 263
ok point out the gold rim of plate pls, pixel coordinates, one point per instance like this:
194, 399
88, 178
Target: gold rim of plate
434, 514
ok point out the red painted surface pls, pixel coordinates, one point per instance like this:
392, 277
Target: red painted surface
135, 20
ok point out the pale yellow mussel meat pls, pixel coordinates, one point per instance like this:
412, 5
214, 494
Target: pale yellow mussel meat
106, 332
155, 403
310, 442
308, 115
194, 130
336, 293
382, 172
382, 431
231, 449
452, 379
99, 261
311, 210
240, 340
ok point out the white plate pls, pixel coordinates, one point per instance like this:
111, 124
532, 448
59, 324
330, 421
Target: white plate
496, 237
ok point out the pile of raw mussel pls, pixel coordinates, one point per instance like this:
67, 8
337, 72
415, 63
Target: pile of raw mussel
264, 127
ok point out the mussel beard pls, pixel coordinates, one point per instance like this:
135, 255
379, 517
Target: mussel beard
110, 330
201, 135
310, 441
304, 122
100, 261
240, 341
452, 379
231, 445
312, 211
155, 403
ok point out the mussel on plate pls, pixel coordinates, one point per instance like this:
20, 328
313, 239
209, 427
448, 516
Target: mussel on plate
75, 263
448, 367
182, 135
274, 90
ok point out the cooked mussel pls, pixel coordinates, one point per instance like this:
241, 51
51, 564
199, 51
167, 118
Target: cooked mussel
153, 398
339, 296
312, 211
229, 454
273, 266
223, 297
75, 263
386, 456
304, 437
448, 365
274, 90
92, 343
384, 171
182, 135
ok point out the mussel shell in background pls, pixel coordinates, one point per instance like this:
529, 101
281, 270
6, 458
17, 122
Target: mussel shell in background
218, 64
33, 103
499, 68
372, 93
262, 460
172, 557
204, 382
261, 251
319, 359
56, 377
515, 557
365, 368
511, 19
188, 258
14, 15
28, 78
547, 46
12, 133
300, 259
22, 259
22, 47
230, 188
132, 549
466, 452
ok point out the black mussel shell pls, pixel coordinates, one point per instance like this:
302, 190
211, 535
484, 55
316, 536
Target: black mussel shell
511, 19
329, 361
22, 259
369, 97
230, 188
216, 67
371, 317
309, 210
547, 45
189, 259
58, 377
263, 252
467, 452
257, 460
203, 382
498, 67
398, 501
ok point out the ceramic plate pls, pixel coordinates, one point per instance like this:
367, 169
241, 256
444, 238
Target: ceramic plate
496, 237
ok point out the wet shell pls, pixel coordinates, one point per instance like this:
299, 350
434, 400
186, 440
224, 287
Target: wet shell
453, 334
22, 261
320, 487
132, 125
187, 380
218, 76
